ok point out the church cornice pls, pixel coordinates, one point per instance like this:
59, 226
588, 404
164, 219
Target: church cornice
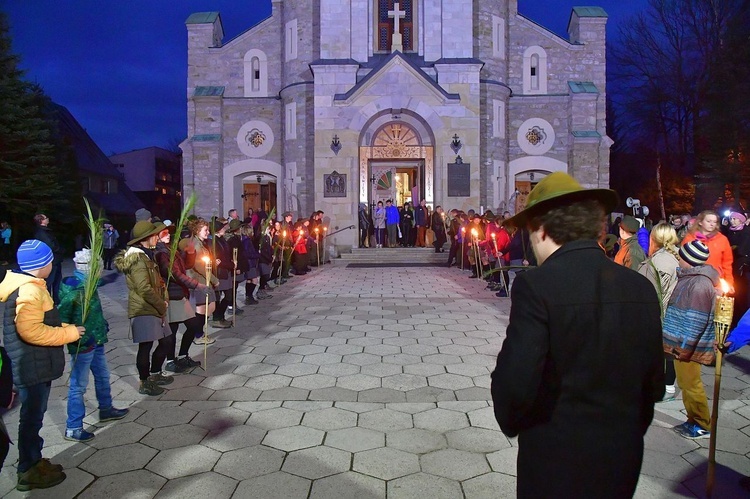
549, 34
497, 83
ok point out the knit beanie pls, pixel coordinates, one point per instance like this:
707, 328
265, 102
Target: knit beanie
33, 255
739, 216
142, 214
695, 253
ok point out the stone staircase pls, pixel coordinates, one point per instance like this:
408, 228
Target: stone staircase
385, 256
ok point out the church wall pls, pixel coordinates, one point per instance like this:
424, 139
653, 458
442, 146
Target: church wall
457, 29
299, 150
432, 30
553, 109
336, 29
494, 149
495, 68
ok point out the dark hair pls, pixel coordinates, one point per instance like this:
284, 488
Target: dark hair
39, 217
572, 222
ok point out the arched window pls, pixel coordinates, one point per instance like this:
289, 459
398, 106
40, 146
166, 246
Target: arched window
535, 70
385, 24
256, 73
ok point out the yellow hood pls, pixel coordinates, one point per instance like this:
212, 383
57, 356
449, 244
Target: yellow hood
13, 281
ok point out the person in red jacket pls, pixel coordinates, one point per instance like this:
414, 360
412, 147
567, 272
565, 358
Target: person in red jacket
706, 230
300, 246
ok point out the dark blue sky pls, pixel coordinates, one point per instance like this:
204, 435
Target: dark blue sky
120, 66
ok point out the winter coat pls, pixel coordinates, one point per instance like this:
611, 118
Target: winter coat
71, 311
179, 283
251, 254
688, 323
420, 215
147, 295
578, 374
631, 253
198, 270
661, 271
719, 253
739, 240
33, 333
364, 219
379, 218
644, 239
438, 224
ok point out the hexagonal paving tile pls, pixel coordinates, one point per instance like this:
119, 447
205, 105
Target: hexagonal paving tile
416, 440
279, 485
223, 381
268, 382
293, 438
234, 438
202, 485
183, 461
423, 485
440, 420
145, 482
349, 485
454, 464
320, 359
313, 381
249, 462
483, 418
300, 369
283, 359
170, 437
385, 420
385, 463
361, 359
490, 485
355, 439
404, 382
358, 382
317, 462
273, 419
118, 459
381, 370
119, 434
166, 416
218, 419
330, 419
504, 461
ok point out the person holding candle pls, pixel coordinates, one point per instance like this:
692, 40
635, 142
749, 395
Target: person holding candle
582, 363
180, 309
198, 243
223, 269
706, 230
739, 240
454, 229
147, 305
438, 226
689, 333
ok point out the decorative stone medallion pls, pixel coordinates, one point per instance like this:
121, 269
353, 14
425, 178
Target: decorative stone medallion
536, 136
255, 139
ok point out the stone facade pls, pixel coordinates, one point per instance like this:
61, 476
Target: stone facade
268, 104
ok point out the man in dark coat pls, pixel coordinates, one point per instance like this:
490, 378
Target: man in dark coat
43, 233
582, 366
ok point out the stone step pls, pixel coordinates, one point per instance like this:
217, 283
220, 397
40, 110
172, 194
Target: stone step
394, 255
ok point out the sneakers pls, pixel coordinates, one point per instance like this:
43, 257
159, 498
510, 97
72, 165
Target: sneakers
40, 476
264, 295
174, 367
220, 324
160, 379
204, 340
271, 284
150, 388
78, 435
189, 362
691, 430
668, 397
112, 414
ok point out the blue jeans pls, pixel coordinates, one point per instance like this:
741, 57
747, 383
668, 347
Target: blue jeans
79, 380
33, 406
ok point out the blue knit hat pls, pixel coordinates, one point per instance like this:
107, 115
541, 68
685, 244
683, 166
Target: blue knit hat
695, 253
33, 255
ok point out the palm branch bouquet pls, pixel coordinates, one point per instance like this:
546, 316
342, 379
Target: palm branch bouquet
186, 209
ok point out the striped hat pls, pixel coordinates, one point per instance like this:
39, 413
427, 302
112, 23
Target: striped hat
695, 253
33, 255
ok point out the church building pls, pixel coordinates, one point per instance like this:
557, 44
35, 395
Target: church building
329, 104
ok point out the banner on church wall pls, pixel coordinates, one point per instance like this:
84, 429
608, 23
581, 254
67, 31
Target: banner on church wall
459, 179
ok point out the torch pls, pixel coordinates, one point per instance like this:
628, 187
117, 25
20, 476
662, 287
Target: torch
283, 248
463, 246
475, 243
317, 244
207, 262
325, 231
234, 287
722, 320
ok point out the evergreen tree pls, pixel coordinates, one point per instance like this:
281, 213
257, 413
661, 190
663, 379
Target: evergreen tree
35, 171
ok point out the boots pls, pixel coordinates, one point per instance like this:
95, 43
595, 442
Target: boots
40, 476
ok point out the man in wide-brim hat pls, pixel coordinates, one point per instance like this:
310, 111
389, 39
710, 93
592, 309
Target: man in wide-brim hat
143, 230
582, 364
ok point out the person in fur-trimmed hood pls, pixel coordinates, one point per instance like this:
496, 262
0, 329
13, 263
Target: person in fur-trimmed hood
147, 305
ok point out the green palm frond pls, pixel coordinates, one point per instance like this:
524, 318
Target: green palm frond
96, 244
186, 209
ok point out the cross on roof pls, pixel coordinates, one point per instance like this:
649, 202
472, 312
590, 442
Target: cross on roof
396, 14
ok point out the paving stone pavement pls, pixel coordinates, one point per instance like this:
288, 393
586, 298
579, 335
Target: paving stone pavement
365, 383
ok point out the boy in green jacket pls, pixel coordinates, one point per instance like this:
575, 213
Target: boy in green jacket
87, 353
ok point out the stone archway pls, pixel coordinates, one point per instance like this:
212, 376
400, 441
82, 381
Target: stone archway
395, 143
235, 173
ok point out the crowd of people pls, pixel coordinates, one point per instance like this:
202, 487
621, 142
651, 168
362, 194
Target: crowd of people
184, 282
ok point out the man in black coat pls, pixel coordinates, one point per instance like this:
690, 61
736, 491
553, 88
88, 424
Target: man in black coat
582, 365
43, 233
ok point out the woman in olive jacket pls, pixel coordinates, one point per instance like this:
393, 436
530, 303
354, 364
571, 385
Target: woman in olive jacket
147, 305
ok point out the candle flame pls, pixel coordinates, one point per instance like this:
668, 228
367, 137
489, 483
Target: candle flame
325, 228
283, 234
474, 232
724, 286
463, 229
493, 235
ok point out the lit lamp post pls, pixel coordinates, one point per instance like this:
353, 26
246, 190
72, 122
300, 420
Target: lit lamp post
722, 320
207, 263
234, 288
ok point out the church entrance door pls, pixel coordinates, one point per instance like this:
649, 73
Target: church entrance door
401, 182
259, 193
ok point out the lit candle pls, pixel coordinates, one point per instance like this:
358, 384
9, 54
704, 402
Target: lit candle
234, 288
207, 263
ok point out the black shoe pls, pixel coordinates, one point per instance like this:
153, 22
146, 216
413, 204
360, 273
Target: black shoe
251, 301
473, 276
174, 367
501, 294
